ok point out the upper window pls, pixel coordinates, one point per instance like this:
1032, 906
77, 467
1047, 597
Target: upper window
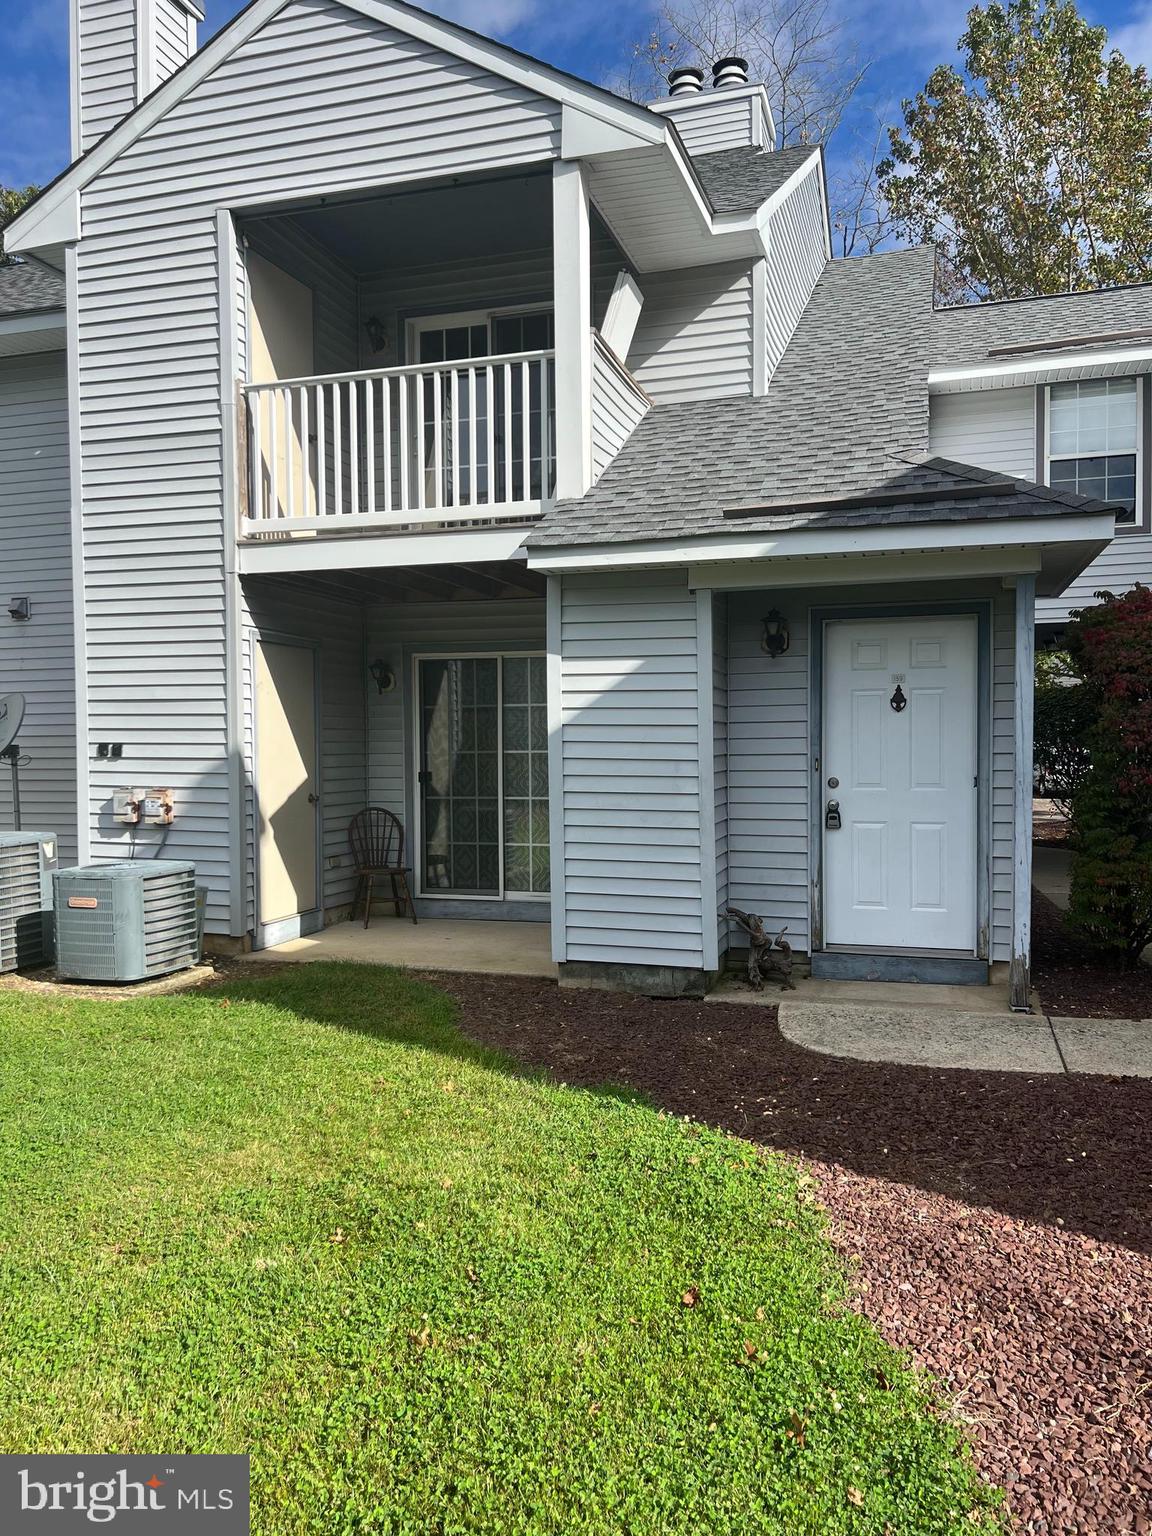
1094, 441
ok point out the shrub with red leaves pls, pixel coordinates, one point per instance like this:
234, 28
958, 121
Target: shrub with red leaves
1111, 901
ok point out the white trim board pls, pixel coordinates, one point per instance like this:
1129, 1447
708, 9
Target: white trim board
368, 553
900, 538
1049, 368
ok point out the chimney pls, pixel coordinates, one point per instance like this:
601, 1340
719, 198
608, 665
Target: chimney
121, 50
686, 81
727, 73
732, 115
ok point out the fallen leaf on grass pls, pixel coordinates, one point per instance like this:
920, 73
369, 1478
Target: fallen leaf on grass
339, 1236
855, 1496
750, 1351
798, 1428
691, 1296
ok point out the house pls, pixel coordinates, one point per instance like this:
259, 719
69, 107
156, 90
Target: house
450, 435
37, 655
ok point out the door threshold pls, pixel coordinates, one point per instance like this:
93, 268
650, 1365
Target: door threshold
285, 929
900, 949
899, 965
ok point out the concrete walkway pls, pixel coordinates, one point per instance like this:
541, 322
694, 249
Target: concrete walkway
1052, 874
972, 1030
433, 944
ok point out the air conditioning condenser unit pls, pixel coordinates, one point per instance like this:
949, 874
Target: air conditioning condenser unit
126, 920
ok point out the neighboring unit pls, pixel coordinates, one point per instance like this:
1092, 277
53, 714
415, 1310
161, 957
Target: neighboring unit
452, 436
27, 861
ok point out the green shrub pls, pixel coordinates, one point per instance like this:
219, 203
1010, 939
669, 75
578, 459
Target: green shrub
1110, 649
1063, 719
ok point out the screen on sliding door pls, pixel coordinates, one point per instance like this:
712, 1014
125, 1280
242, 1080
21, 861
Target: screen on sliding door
483, 776
524, 713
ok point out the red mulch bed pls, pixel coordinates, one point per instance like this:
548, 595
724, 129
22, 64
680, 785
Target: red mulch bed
1071, 984
999, 1224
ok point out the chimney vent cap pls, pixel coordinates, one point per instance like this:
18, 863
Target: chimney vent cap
685, 81
729, 72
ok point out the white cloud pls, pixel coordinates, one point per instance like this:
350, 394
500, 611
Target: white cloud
1134, 38
494, 17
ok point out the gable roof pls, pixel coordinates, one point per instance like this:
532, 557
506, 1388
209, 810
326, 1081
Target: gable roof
970, 333
849, 392
28, 289
840, 439
743, 178
546, 79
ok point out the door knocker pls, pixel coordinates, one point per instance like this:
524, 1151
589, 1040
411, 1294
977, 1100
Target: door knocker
898, 701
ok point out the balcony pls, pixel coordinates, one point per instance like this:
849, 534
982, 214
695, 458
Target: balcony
436, 445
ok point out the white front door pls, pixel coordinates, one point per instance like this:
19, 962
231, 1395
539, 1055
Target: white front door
900, 761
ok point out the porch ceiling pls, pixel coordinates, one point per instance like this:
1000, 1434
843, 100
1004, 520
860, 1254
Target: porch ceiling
418, 584
476, 217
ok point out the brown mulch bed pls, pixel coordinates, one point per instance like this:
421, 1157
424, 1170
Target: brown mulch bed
1071, 983
999, 1224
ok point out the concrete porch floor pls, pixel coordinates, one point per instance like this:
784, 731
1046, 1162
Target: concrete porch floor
433, 944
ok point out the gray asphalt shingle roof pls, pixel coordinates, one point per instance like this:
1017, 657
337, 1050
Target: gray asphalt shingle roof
26, 289
849, 393
740, 179
845, 416
965, 334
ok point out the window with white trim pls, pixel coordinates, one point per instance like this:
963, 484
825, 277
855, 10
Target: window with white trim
1094, 442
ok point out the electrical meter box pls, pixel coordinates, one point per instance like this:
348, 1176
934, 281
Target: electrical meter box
143, 807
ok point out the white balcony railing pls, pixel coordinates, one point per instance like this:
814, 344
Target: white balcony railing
440, 443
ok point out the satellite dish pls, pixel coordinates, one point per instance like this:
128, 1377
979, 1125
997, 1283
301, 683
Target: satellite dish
11, 719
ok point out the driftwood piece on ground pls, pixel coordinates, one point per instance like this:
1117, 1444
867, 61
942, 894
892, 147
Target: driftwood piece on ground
767, 956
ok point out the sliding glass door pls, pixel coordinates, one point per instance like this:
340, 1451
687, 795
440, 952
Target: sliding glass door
483, 776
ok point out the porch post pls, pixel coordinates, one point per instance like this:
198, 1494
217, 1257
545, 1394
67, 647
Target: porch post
1024, 681
554, 625
572, 300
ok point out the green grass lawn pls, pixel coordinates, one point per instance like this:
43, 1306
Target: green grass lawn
303, 1217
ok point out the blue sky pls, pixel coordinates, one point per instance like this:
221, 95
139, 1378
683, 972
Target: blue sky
902, 38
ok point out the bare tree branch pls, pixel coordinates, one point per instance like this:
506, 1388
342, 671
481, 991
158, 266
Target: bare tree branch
797, 48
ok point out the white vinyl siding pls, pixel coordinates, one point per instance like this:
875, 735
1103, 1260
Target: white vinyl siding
631, 771
169, 40
768, 761
618, 408
107, 45
1126, 561
694, 338
714, 120
319, 99
37, 658
996, 429
454, 287
797, 253
989, 429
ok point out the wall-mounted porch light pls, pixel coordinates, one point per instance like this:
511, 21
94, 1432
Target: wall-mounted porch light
383, 676
775, 639
376, 332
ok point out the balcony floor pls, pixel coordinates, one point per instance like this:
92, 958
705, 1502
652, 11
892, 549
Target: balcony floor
434, 944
